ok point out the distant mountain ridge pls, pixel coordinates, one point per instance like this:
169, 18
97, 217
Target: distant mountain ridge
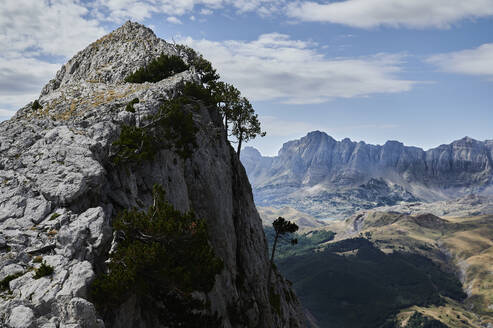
329, 178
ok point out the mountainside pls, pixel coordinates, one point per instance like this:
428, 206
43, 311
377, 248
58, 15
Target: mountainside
303, 220
389, 267
329, 178
60, 190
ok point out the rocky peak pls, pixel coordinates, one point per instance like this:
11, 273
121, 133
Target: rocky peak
467, 142
337, 176
111, 58
251, 152
393, 144
316, 137
61, 188
313, 142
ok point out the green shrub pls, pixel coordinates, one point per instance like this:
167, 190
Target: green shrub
162, 256
202, 66
130, 105
198, 92
54, 216
170, 128
4, 283
36, 105
43, 271
176, 128
134, 145
158, 69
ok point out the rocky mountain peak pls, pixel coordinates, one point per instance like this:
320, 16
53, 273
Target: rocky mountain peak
317, 137
467, 142
251, 152
112, 57
337, 177
61, 188
316, 134
393, 144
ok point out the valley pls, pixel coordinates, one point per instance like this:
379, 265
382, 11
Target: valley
380, 249
377, 260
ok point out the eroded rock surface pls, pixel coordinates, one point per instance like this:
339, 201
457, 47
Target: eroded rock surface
334, 179
59, 192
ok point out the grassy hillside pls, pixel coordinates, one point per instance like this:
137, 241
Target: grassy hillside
398, 266
472, 252
307, 242
353, 284
304, 220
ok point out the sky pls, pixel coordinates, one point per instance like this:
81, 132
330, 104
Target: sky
418, 71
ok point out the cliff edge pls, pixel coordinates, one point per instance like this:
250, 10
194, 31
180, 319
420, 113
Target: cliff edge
60, 191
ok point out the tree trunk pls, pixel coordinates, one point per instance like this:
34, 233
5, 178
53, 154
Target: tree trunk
240, 140
271, 263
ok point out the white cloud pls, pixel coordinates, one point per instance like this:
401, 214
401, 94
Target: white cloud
21, 80
173, 20
206, 12
275, 67
56, 27
478, 61
394, 13
30, 32
120, 10
6, 113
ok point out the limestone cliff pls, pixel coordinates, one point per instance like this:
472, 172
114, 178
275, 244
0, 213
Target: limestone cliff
59, 192
328, 178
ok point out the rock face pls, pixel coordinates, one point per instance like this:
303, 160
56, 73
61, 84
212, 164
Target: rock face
59, 192
328, 178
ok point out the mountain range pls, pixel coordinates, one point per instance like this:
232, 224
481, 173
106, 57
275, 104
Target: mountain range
333, 179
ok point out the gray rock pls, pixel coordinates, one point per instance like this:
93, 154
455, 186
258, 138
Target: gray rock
79, 277
10, 270
21, 317
110, 59
37, 209
79, 313
59, 158
329, 178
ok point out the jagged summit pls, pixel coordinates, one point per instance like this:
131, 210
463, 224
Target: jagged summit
95, 77
321, 175
61, 188
111, 58
251, 152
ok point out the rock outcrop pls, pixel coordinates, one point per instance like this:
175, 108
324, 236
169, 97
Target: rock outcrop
59, 192
328, 178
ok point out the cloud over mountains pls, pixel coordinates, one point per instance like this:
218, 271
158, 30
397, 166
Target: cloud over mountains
478, 61
37, 36
393, 13
276, 67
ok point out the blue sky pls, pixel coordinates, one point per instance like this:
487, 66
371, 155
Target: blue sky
419, 71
